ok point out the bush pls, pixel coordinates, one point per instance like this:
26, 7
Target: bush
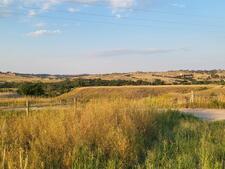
30, 89
158, 82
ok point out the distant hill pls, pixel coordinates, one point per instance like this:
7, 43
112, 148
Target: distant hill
169, 77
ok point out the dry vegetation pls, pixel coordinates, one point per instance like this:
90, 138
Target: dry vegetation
137, 91
205, 96
12, 77
130, 127
169, 77
110, 134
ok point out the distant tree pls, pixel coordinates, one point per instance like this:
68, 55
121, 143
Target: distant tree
31, 89
222, 82
158, 82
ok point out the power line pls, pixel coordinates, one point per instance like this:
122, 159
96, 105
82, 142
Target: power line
75, 21
97, 22
133, 9
148, 11
127, 18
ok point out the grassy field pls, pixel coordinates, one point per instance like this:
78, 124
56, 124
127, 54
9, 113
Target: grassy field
11, 77
169, 96
205, 96
110, 134
114, 128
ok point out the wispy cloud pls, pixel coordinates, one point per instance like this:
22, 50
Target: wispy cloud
40, 25
43, 32
73, 10
122, 3
132, 52
179, 5
32, 13
46, 4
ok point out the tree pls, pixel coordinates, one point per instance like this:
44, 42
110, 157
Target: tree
31, 89
158, 82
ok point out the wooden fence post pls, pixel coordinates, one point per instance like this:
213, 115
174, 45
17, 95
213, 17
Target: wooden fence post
192, 97
27, 107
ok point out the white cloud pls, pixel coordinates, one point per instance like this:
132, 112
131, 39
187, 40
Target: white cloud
133, 52
31, 13
40, 25
46, 4
118, 16
43, 32
72, 10
179, 5
122, 3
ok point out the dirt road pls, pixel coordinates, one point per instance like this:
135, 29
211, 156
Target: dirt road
207, 114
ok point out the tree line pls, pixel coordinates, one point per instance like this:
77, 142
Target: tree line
58, 88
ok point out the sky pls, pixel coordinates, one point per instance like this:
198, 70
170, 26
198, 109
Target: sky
105, 36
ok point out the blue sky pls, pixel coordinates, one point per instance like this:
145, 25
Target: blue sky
93, 36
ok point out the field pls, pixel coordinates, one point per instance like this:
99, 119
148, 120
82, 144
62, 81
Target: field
169, 96
126, 127
105, 133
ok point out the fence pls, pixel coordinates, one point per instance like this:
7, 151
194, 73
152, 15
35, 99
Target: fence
28, 105
191, 99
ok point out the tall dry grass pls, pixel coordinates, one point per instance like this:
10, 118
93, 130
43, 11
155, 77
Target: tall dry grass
50, 139
105, 133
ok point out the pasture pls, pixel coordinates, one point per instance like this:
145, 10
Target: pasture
120, 133
113, 128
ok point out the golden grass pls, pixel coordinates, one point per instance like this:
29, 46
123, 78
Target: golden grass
48, 136
169, 77
18, 78
108, 134
206, 96
133, 91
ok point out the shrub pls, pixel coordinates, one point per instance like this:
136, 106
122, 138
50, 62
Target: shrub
30, 89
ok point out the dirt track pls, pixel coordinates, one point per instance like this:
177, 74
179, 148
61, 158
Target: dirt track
207, 114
